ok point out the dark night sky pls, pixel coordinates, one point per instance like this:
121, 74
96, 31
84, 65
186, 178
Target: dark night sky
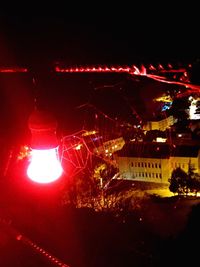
131, 35
101, 35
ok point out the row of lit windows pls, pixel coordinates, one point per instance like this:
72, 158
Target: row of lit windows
145, 165
148, 174
177, 165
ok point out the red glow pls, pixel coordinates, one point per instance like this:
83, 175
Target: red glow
94, 69
150, 72
45, 166
12, 70
143, 70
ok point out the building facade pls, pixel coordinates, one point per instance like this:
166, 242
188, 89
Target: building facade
152, 162
160, 125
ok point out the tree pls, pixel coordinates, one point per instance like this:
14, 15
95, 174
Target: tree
180, 111
191, 170
174, 185
178, 181
184, 183
86, 189
195, 184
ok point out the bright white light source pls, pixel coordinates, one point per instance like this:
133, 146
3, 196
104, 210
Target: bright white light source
161, 140
192, 108
45, 166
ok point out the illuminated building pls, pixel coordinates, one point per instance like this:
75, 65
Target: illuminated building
153, 162
109, 147
161, 125
194, 102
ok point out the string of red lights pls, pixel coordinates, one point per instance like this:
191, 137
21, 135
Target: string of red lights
28, 242
152, 72
13, 70
132, 70
41, 251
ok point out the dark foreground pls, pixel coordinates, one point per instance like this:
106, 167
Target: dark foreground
161, 232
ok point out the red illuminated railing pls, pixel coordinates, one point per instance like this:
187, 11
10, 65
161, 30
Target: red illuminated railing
13, 70
132, 70
178, 74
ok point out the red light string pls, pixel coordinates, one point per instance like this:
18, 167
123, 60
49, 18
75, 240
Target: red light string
151, 72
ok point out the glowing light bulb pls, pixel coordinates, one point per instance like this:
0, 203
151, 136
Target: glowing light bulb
45, 166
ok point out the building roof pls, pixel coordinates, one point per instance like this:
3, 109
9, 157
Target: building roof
185, 151
157, 150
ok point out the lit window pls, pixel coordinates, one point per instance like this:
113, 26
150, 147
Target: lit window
193, 166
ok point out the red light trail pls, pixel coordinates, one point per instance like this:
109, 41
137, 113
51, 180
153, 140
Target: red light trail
152, 72
28, 242
13, 70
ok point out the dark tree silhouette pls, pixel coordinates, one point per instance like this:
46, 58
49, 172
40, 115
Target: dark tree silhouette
180, 111
183, 183
178, 181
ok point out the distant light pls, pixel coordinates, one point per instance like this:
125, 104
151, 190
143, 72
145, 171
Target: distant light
19, 237
87, 133
78, 147
161, 140
193, 107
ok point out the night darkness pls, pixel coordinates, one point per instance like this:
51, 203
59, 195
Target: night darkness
38, 42
100, 36
119, 35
